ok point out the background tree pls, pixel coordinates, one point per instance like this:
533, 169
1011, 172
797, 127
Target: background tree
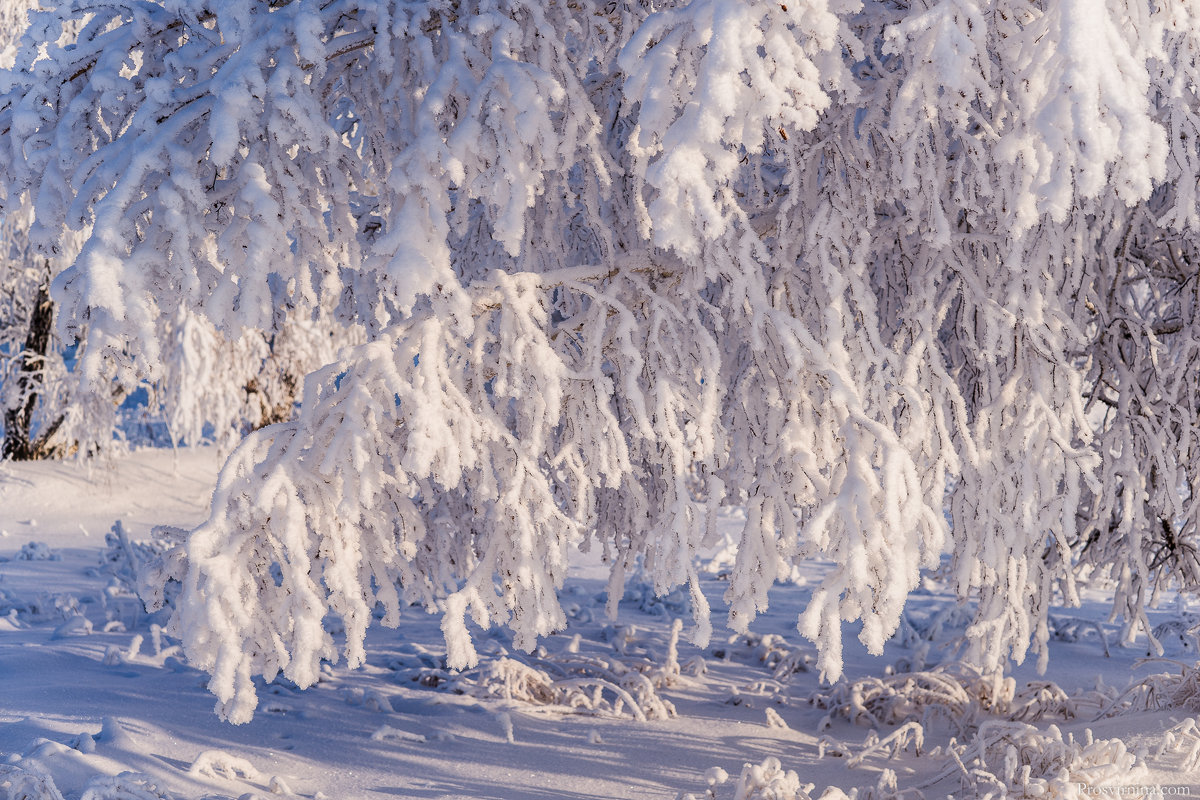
28, 358
211, 386
615, 264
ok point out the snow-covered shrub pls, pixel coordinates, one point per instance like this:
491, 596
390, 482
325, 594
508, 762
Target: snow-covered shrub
1185, 738
959, 694
1074, 629
583, 684
642, 595
509, 679
1006, 760
584, 687
769, 781
150, 569
24, 607
781, 658
1020, 762
221, 764
771, 650
909, 737
614, 685
123, 558
37, 551
160, 575
1160, 691
1178, 636
919, 632
24, 781
126, 786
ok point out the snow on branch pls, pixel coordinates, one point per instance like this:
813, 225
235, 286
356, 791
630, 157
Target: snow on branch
584, 272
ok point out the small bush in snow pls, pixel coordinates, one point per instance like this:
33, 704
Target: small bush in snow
152, 568
959, 693
27, 782
126, 786
220, 764
1017, 761
589, 685
641, 593
1162, 691
770, 650
765, 781
37, 551
769, 781
613, 684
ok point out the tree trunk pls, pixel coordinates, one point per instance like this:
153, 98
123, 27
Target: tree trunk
18, 421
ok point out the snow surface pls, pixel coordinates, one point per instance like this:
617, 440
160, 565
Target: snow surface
89, 687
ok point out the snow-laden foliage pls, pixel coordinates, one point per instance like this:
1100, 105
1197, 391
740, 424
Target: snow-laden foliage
581, 685
957, 695
1161, 691
624, 683
615, 264
26, 780
1001, 761
1016, 761
214, 387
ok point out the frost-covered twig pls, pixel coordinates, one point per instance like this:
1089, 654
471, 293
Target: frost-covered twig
910, 735
1159, 691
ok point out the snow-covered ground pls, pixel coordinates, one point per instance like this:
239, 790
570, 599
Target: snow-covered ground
91, 689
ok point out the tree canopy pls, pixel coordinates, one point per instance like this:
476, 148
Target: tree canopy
901, 278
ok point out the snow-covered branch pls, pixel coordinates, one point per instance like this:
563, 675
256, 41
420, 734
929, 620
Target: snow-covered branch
583, 272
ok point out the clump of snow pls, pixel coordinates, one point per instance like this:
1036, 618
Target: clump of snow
26, 779
77, 625
642, 595
220, 764
28, 782
37, 551
1185, 738
765, 781
388, 733
770, 650
506, 726
1179, 636
774, 720
372, 699
278, 785
126, 786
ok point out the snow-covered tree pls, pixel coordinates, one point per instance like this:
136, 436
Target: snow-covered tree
615, 264
210, 385
26, 313
213, 387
